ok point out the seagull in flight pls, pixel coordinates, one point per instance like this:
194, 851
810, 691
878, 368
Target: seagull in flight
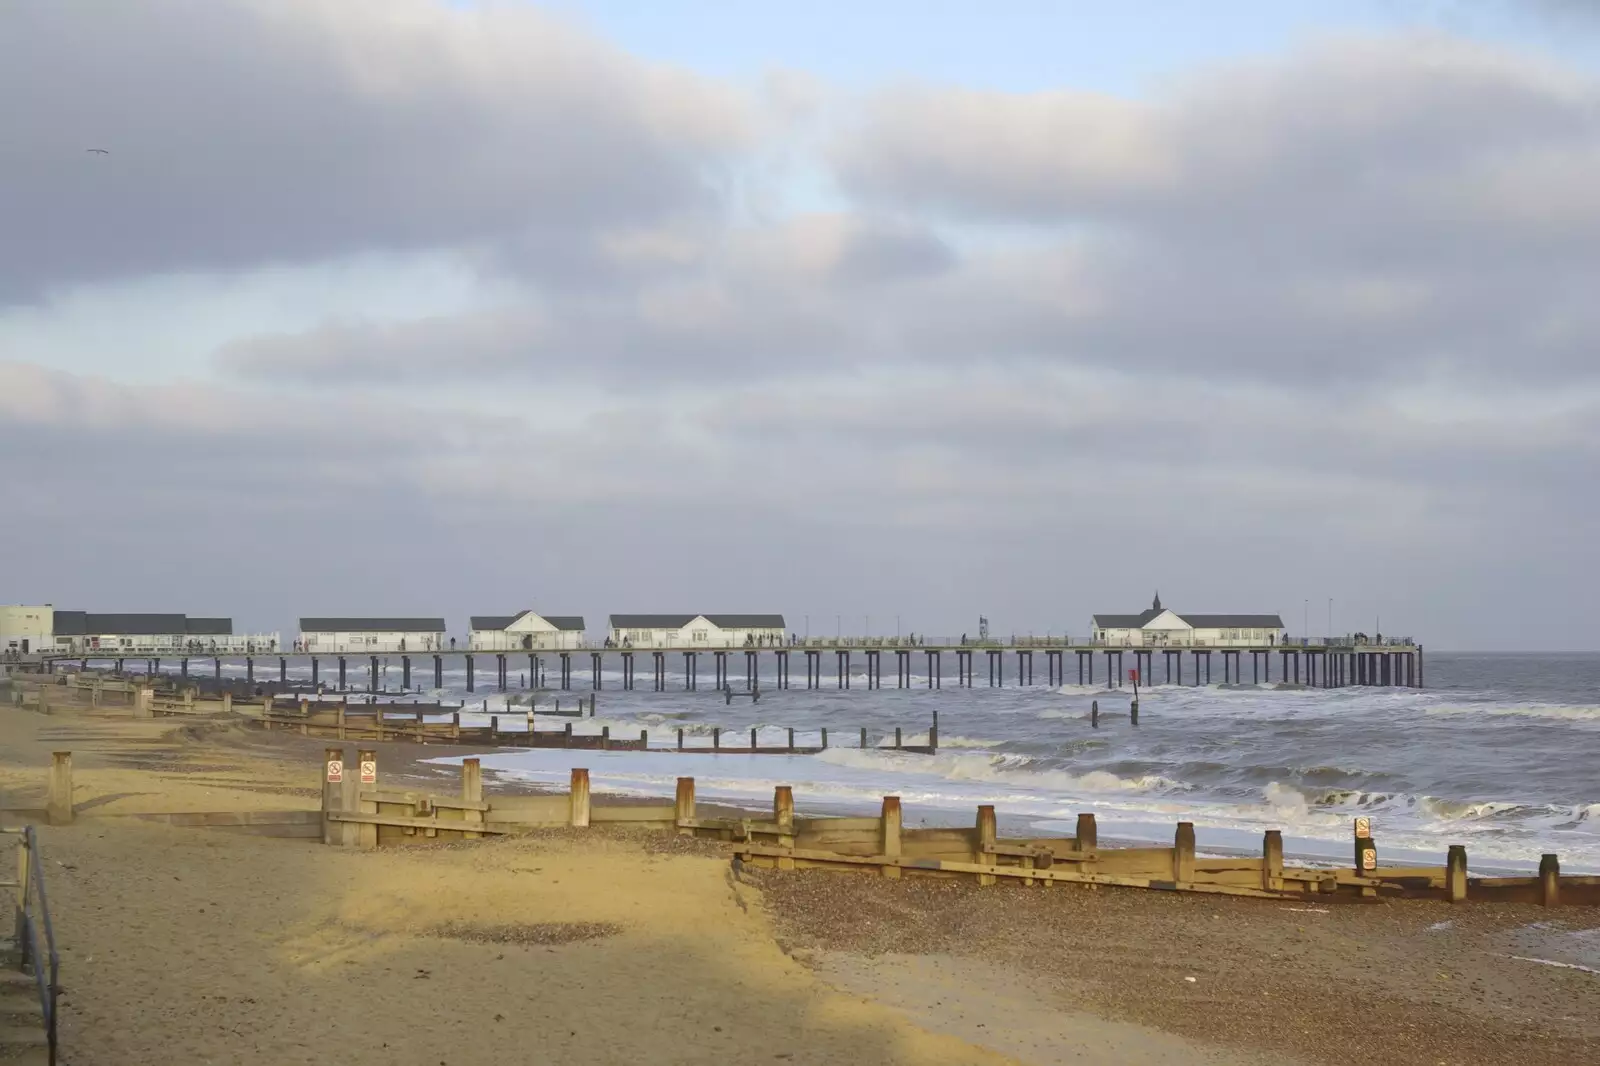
102, 151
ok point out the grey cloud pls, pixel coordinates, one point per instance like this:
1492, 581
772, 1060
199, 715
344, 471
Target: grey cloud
677, 304
248, 131
933, 499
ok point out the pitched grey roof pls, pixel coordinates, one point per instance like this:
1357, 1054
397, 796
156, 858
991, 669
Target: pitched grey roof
135, 625
1198, 621
746, 621
209, 627
503, 621
1234, 621
678, 621
651, 621
70, 623
372, 625
1125, 621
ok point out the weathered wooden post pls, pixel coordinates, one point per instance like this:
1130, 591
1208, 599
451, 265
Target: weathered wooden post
824, 736
1183, 853
566, 734
897, 744
891, 834
1455, 873
985, 837
58, 803
367, 782
644, 740
1133, 711
1088, 834
680, 738
455, 725
863, 736
591, 704
605, 738
684, 808
494, 729
472, 792
933, 732
579, 798
1549, 880
791, 739
752, 739
1094, 713
350, 803
227, 701
343, 709
783, 814
332, 793
1272, 860
716, 737
1366, 850
144, 702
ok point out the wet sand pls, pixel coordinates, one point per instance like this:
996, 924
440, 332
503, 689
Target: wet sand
189, 945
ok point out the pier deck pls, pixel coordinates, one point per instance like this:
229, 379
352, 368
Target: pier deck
1308, 665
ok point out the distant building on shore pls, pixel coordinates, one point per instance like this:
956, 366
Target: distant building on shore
692, 631
526, 631
1160, 627
362, 636
26, 630
41, 629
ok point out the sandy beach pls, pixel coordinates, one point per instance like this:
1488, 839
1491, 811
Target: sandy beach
193, 945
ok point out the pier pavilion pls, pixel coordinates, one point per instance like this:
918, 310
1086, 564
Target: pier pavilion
1161, 627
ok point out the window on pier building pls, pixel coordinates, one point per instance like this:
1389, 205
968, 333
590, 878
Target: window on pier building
699, 636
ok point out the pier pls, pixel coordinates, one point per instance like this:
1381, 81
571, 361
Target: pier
830, 664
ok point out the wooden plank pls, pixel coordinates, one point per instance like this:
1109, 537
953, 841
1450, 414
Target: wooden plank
844, 825
825, 858
654, 813
444, 802
409, 823
1155, 862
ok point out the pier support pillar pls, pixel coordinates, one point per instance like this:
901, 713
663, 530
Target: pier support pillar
405, 672
341, 673
472, 680
314, 681
372, 675
594, 662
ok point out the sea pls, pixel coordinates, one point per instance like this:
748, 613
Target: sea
1500, 753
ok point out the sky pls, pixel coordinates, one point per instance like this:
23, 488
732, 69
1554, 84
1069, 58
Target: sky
882, 316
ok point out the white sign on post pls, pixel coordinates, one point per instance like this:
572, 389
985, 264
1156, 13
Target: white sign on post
369, 772
335, 771
1364, 827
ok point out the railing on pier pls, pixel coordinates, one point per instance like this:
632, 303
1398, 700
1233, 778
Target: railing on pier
35, 935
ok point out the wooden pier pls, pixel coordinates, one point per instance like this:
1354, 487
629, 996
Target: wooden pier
1307, 665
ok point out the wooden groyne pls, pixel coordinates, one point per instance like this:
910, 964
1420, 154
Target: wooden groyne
358, 812
400, 722
418, 723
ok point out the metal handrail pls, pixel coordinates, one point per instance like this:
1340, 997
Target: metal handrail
33, 916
